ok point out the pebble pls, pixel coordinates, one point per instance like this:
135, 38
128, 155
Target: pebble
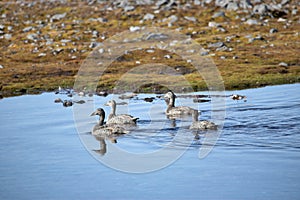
192, 19
134, 28
58, 17
32, 36
27, 29
168, 56
42, 55
1, 67
128, 8
216, 45
273, 30
148, 16
251, 22
7, 36
283, 64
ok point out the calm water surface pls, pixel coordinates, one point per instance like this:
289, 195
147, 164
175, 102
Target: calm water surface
256, 157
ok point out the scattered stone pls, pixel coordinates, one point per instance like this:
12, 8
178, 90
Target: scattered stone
150, 51
148, 16
218, 14
168, 56
102, 93
7, 36
213, 24
1, 67
232, 6
216, 45
58, 17
157, 36
94, 45
273, 30
2, 27
128, 8
282, 20
283, 64
251, 22
260, 9
42, 55
32, 36
27, 29
134, 28
222, 48
192, 19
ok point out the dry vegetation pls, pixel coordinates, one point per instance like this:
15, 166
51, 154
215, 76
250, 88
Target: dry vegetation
53, 58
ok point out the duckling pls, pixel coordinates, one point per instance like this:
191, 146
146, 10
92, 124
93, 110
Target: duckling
176, 111
101, 129
203, 124
119, 119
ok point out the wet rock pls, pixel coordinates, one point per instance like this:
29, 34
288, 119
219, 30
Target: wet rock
201, 100
216, 45
283, 64
273, 30
192, 19
58, 100
148, 16
102, 93
149, 99
67, 103
58, 17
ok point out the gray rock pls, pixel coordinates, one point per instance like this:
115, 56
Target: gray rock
42, 55
213, 24
216, 45
218, 14
197, 2
173, 18
7, 36
245, 4
260, 9
148, 16
223, 48
128, 8
285, 2
221, 3
204, 53
58, 17
134, 28
2, 27
232, 6
283, 64
27, 29
156, 36
251, 22
32, 36
94, 45
192, 19
273, 30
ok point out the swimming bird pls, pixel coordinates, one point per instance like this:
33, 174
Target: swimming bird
104, 130
203, 124
172, 110
119, 119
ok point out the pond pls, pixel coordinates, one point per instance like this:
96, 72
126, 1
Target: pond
46, 154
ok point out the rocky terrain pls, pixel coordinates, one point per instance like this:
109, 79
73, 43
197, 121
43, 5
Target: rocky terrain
43, 43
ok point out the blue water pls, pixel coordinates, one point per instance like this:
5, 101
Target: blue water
44, 156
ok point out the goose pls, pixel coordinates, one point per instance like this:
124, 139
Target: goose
119, 119
203, 124
104, 130
172, 110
